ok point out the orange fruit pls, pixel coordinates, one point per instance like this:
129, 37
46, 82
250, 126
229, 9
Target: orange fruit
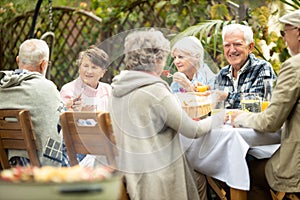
202, 88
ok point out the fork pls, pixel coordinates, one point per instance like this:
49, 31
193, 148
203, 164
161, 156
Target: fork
169, 75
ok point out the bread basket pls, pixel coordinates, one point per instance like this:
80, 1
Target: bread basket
194, 105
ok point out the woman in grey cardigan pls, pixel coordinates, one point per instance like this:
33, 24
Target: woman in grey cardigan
147, 119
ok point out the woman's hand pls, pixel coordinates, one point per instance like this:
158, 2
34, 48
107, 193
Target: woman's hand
203, 90
89, 108
75, 104
181, 78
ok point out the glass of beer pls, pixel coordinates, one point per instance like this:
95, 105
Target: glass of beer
251, 102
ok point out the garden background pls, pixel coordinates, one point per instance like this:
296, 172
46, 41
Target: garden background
70, 26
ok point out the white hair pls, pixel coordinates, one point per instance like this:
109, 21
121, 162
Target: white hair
190, 45
33, 52
231, 28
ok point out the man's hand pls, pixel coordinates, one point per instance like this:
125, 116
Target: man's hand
233, 115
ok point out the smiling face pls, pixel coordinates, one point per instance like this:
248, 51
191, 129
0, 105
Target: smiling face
90, 73
236, 50
185, 63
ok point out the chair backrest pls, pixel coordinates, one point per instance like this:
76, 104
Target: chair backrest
16, 132
283, 195
88, 133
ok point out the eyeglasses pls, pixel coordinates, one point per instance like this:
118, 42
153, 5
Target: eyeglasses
282, 33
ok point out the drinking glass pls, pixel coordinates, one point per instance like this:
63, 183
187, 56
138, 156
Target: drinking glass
90, 103
251, 102
218, 113
268, 87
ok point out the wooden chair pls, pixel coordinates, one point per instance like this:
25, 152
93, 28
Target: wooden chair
89, 133
16, 132
282, 195
216, 188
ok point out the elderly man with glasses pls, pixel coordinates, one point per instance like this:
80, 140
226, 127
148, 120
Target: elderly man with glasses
281, 172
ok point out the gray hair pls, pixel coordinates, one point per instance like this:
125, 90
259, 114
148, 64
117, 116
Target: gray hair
248, 33
143, 49
33, 52
96, 55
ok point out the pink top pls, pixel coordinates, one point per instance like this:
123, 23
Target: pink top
89, 95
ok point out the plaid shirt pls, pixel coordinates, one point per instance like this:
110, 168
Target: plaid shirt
250, 80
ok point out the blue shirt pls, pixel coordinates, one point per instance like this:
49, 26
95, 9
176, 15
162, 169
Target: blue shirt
204, 75
250, 80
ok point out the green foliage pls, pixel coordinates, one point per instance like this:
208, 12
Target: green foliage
209, 32
175, 12
12, 8
7, 11
201, 18
220, 11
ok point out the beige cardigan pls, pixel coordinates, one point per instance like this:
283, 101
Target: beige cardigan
283, 169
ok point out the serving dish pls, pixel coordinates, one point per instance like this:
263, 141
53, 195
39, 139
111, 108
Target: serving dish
195, 106
108, 189
74, 183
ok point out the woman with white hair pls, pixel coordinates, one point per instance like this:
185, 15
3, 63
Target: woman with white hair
147, 119
188, 54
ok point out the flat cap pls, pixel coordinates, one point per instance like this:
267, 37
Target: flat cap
292, 18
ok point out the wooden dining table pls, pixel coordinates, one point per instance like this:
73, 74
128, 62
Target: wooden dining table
221, 154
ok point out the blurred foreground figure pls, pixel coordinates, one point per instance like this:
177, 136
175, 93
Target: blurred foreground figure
147, 119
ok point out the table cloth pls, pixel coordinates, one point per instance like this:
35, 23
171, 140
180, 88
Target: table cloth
221, 153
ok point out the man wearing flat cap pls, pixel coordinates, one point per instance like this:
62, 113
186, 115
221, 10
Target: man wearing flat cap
281, 172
